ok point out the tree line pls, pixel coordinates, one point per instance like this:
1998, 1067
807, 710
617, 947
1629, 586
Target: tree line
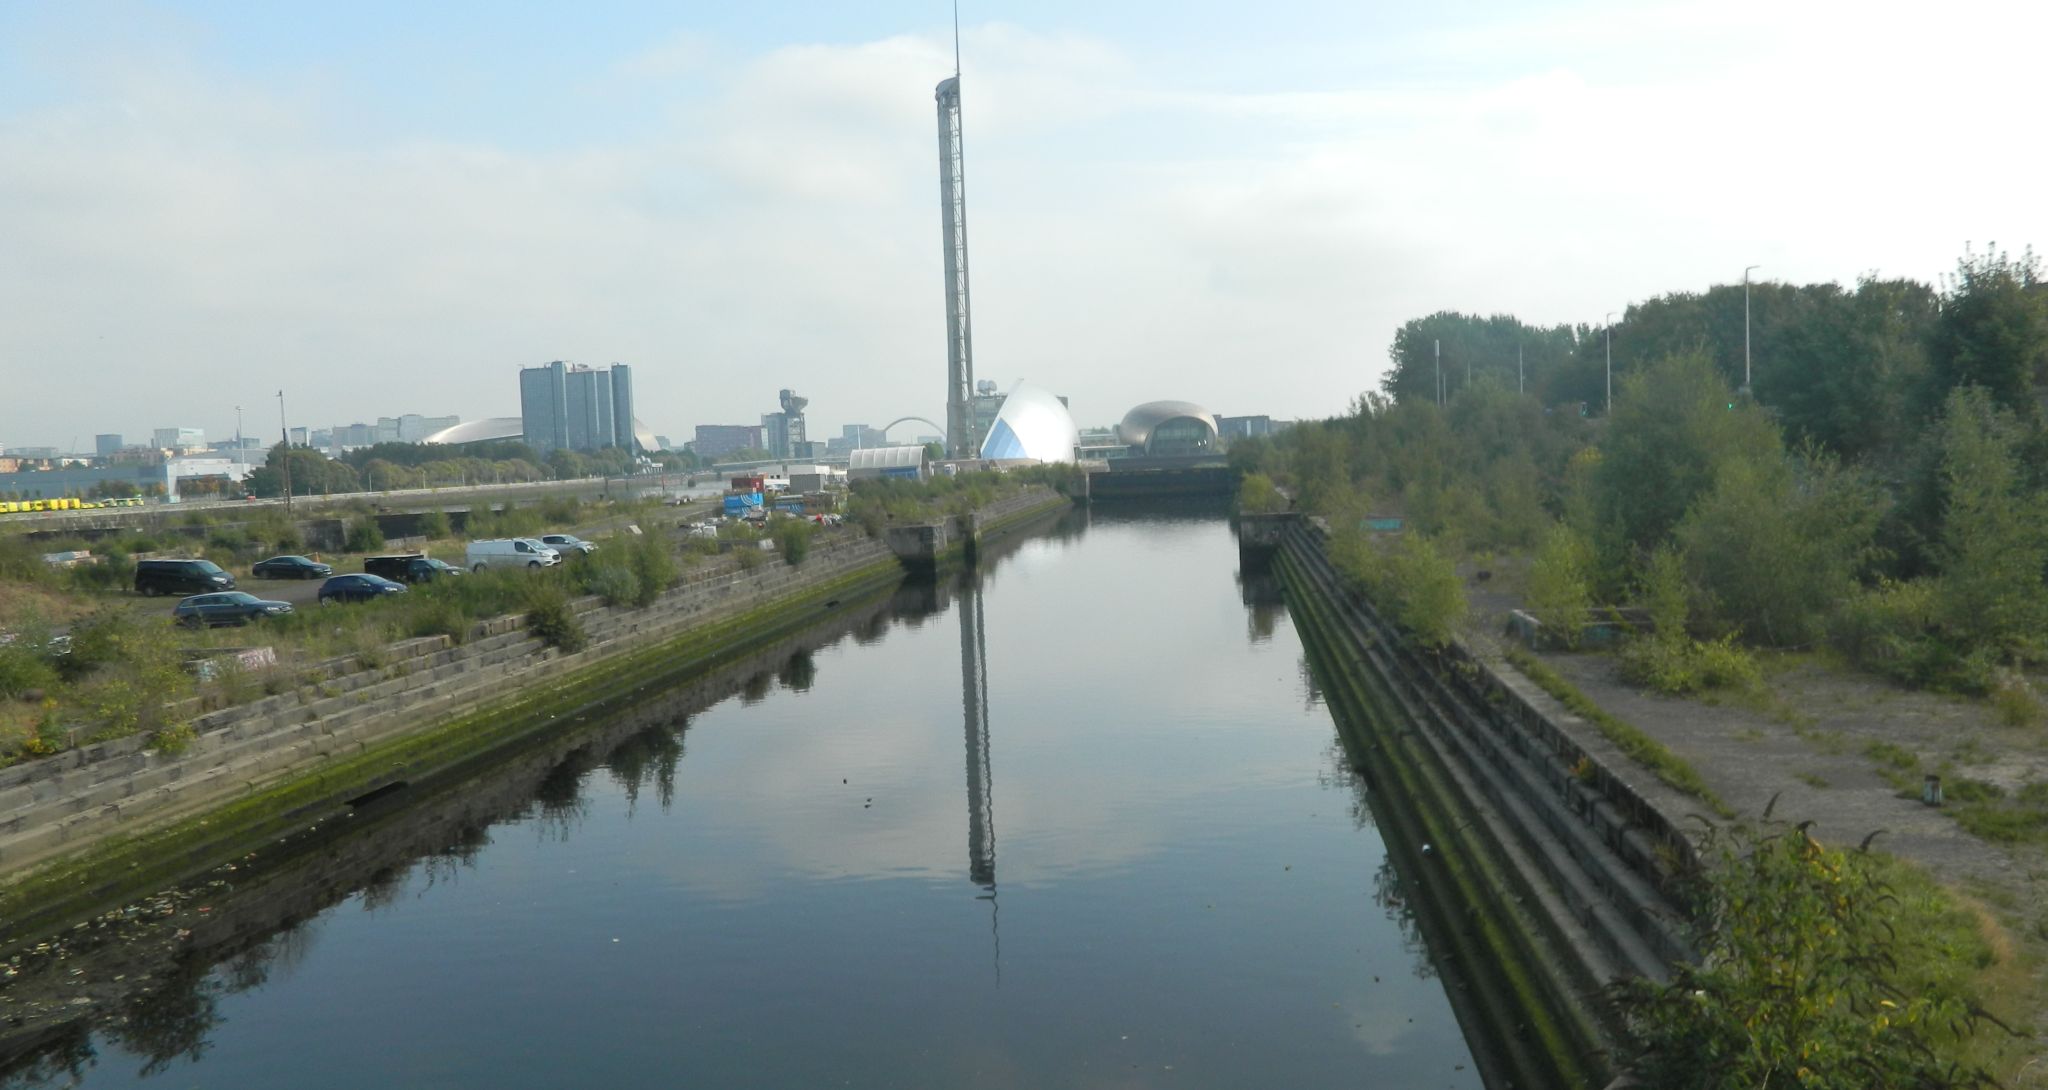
389, 466
1881, 486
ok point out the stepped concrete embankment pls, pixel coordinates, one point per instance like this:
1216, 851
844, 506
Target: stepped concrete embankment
1545, 862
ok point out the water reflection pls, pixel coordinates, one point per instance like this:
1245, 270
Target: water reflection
1185, 899
152, 975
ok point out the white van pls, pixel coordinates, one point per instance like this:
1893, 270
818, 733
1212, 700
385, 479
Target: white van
518, 552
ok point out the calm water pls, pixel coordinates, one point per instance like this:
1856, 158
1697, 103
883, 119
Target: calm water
1080, 822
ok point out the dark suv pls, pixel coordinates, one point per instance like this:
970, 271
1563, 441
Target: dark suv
155, 577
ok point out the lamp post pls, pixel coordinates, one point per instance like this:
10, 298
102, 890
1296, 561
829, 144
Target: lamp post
1610, 363
1439, 373
285, 432
1745, 326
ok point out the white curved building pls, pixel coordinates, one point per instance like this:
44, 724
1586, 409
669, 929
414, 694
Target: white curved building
512, 427
1032, 424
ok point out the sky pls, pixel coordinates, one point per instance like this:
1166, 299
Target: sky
380, 207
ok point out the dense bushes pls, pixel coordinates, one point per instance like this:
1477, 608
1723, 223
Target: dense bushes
793, 540
1414, 583
1908, 525
1256, 495
550, 619
1819, 968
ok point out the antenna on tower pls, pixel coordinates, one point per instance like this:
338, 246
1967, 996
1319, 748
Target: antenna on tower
956, 39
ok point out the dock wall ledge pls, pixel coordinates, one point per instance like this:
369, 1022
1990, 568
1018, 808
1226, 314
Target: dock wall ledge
1554, 862
56, 811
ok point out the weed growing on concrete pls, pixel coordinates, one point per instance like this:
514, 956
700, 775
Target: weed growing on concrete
550, 620
1640, 747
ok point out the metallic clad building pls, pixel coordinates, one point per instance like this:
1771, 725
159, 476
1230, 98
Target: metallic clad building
1168, 427
1032, 424
953, 217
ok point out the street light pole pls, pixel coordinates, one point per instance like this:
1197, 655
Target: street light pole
285, 432
1745, 326
1610, 363
1439, 372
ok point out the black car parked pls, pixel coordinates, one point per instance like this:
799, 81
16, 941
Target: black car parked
409, 567
154, 577
233, 607
291, 567
357, 588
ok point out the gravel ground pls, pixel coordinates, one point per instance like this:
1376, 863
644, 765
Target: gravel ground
1808, 744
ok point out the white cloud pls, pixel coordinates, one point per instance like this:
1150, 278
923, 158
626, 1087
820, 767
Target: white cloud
192, 239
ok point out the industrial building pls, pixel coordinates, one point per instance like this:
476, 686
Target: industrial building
718, 440
782, 433
910, 463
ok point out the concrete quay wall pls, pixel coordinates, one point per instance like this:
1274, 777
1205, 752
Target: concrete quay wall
1542, 872
55, 811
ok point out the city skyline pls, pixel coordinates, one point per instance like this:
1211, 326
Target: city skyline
1235, 212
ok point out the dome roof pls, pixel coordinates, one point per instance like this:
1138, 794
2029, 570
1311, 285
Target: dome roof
479, 431
1139, 424
1032, 424
495, 428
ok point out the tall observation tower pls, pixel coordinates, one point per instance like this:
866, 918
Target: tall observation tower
953, 214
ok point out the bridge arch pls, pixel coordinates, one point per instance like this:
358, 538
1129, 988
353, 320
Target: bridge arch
907, 419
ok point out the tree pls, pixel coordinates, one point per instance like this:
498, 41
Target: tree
1674, 427
1560, 589
1993, 545
312, 473
1993, 330
1778, 543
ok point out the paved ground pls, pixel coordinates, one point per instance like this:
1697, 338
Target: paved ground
1819, 743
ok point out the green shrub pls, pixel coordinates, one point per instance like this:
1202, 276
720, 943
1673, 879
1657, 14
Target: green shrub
364, 535
24, 667
127, 671
438, 617
1257, 495
747, 555
611, 581
1819, 968
2015, 701
654, 567
1676, 665
21, 561
434, 524
793, 540
549, 619
1560, 591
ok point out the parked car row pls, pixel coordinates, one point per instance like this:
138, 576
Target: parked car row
211, 598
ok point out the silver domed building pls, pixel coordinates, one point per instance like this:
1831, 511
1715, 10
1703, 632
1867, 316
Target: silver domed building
1162, 428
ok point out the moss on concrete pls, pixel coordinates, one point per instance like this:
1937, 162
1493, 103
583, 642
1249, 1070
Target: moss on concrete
153, 856
1519, 1007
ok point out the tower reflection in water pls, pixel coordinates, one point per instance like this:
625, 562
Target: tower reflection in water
981, 817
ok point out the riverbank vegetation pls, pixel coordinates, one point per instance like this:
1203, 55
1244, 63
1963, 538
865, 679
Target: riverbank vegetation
83, 659
875, 504
1819, 968
1869, 486
1882, 492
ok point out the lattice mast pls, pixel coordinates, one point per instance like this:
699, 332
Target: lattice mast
953, 214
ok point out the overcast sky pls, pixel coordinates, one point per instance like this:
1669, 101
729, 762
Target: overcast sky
391, 207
